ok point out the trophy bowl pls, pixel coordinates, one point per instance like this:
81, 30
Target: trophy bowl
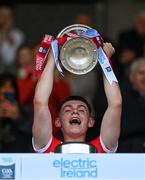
79, 55
75, 147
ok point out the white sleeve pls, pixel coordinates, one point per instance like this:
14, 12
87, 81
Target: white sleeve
106, 149
42, 150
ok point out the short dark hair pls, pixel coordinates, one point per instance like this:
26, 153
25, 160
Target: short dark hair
6, 76
74, 98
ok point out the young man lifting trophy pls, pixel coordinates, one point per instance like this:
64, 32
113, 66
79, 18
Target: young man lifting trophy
77, 48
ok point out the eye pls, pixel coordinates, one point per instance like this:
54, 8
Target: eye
82, 110
67, 110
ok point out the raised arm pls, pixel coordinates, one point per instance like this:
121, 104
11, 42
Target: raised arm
110, 127
42, 126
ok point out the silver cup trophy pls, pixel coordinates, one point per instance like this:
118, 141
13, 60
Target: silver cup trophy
78, 55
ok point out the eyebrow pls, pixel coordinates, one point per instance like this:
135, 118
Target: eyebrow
82, 106
66, 106
79, 106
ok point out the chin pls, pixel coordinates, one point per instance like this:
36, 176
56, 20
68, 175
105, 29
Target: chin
77, 133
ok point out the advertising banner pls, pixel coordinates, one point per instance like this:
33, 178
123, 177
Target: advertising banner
72, 166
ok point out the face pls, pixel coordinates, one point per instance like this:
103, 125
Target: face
138, 79
25, 56
83, 19
74, 118
6, 18
140, 24
6, 88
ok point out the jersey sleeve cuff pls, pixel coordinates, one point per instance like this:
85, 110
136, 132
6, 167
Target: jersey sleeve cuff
42, 150
106, 149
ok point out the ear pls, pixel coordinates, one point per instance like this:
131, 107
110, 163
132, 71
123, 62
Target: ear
91, 122
57, 122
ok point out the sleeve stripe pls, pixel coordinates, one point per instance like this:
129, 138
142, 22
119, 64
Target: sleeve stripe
42, 150
106, 149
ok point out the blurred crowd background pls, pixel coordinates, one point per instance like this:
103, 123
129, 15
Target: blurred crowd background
22, 26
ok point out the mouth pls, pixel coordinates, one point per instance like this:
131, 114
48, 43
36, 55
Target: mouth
75, 121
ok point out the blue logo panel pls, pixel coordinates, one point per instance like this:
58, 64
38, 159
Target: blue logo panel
7, 172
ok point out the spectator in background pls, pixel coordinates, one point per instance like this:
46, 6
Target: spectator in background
83, 18
15, 120
131, 44
132, 137
25, 74
10, 39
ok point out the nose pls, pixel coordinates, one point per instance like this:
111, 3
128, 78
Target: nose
75, 111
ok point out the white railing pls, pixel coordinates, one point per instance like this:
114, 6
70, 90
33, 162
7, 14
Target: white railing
72, 166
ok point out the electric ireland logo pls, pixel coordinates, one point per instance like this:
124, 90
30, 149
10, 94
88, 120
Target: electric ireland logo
76, 168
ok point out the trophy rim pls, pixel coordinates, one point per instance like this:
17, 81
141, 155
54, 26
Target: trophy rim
73, 27
85, 70
67, 147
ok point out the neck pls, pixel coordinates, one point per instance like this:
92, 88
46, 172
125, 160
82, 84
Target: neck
74, 138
